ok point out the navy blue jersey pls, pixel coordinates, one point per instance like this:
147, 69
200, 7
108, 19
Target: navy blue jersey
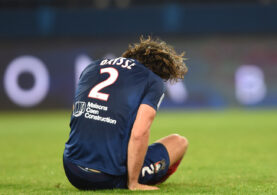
106, 102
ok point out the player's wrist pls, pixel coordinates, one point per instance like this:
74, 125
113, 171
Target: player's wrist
132, 184
138, 186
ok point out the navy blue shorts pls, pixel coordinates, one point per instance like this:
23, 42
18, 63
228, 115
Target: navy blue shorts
155, 167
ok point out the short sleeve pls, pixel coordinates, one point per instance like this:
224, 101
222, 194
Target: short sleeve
154, 92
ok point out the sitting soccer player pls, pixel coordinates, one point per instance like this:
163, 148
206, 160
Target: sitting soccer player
114, 106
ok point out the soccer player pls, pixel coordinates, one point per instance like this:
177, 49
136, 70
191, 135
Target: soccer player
115, 104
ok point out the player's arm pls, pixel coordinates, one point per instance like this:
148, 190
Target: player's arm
138, 145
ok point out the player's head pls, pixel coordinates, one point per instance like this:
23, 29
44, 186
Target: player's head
159, 57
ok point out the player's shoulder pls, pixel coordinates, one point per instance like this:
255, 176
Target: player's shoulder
153, 80
92, 67
151, 74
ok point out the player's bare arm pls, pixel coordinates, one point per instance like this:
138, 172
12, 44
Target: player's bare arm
138, 145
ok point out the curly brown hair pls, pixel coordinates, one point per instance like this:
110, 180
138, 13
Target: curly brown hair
159, 57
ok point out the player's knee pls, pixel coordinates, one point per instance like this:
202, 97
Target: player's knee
182, 141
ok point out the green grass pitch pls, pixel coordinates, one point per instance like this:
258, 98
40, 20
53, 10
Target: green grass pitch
230, 152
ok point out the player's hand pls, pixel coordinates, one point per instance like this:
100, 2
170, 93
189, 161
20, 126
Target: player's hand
138, 186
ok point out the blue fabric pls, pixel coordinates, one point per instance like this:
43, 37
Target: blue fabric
100, 129
87, 180
156, 165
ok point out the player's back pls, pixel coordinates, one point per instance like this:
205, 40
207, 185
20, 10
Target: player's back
105, 106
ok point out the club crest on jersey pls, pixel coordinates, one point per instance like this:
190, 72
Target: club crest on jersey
79, 108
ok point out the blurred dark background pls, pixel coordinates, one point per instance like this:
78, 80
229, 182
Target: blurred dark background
119, 3
231, 48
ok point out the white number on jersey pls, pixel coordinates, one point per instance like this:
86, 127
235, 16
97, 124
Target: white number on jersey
94, 92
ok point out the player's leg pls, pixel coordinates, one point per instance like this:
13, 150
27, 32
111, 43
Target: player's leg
156, 164
162, 159
176, 146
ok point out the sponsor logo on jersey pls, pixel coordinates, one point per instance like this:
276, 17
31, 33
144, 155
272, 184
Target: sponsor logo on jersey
79, 108
94, 110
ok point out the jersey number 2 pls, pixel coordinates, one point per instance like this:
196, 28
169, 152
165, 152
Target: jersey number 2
94, 92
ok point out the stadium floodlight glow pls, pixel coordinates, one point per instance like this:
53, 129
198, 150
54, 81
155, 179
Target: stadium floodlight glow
34, 95
177, 92
81, 62
250, 84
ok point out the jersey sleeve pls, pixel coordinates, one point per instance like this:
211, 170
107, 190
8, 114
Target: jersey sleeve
154, 93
